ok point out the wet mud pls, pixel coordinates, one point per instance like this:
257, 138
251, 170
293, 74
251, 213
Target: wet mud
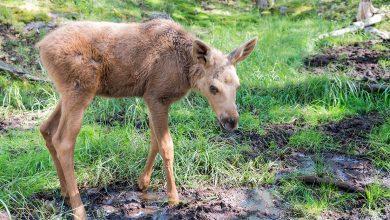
356, 171
126, 202
360, 60
120, 202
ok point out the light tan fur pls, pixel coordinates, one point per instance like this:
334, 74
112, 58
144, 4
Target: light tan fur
156, 60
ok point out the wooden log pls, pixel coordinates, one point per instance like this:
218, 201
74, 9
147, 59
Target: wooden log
19, 73
385, 35
375, 87
359, 25
342, 185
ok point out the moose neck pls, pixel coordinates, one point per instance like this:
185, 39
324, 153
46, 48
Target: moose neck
192, 71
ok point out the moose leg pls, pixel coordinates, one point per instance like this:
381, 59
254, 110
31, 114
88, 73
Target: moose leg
47, 129
159, 119
72, 109
144, 179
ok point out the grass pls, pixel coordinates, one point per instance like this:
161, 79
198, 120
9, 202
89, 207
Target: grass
113, 142
312, 141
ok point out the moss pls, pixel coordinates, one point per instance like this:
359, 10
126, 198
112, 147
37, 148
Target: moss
13, 16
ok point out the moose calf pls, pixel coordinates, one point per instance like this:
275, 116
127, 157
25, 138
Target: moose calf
157, 60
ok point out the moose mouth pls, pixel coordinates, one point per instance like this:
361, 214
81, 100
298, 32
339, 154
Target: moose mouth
227, 124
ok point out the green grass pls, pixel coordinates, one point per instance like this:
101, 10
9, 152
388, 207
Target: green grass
311, 141
380, 142
113, 143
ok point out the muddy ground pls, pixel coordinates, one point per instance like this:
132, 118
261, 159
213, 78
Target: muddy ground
353, 131
361, 61
120, 201
124, 202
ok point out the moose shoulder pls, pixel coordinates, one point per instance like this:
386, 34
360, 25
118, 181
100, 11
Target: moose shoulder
157, 60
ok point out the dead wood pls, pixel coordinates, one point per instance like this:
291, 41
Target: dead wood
19, 73
356, 26
385, 35
365, 10
376, 87
345, 186
265, 4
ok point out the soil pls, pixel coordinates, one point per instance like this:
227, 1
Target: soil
123, 202
120, 118
274, 135
23, 121
119, 202
361, 57
349, 132
353, 131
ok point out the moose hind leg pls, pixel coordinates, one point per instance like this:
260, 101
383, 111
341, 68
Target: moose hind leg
144, 179
47, 129
72, 108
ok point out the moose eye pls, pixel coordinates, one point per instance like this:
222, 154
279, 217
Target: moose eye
213, 90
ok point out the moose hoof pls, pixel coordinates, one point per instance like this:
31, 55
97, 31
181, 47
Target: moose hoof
173, 199
143, 183
79, 213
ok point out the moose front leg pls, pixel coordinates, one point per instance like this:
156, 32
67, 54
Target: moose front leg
159, 124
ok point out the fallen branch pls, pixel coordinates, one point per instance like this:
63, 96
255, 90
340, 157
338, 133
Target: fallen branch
385, 35
359, 25
345, 186
19, 73
375, 87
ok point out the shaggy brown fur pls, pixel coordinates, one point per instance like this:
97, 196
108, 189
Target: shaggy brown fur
156, 60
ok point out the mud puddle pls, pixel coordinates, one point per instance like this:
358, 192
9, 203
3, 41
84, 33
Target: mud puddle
362, 58
356, 171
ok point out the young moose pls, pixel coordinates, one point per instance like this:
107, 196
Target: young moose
157, 60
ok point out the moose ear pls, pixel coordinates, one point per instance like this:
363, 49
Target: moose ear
201, 52
242, 52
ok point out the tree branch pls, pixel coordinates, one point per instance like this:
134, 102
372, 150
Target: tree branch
19, 73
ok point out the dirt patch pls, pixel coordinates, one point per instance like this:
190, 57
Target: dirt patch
23, 121
349, 132
353, 131
361, 57
274, 136
208, 203
120, 118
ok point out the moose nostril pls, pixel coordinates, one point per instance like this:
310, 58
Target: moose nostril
232, 122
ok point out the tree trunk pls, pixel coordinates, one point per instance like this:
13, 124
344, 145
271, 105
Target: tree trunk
365, 10
265, 4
